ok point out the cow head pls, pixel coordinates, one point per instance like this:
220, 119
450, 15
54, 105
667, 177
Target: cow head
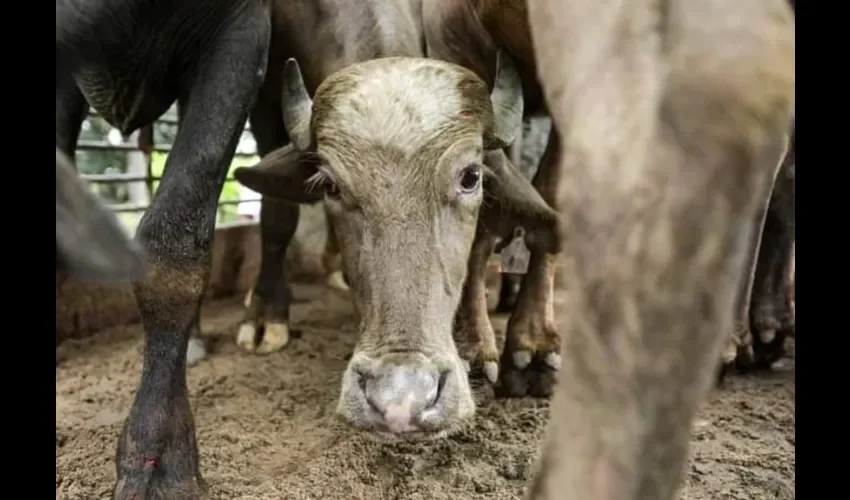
406, 154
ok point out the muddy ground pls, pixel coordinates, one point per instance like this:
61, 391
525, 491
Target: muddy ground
266, 430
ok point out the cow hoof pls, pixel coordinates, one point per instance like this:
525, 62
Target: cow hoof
528, 374
196, 351
275, 338
264, 329
336, 281
480, 354
157, 453
531, 357
491, 371
247, 337
159, 487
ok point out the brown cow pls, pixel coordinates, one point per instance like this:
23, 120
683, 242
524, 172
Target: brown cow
468, 33
407, 154
323, 36
672, 116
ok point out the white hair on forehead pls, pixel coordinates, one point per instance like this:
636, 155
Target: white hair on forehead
395, 105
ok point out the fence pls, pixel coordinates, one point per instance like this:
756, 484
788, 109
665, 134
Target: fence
145, 160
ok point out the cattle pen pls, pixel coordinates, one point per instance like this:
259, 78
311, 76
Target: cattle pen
266, 423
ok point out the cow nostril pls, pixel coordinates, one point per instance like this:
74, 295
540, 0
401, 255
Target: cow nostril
441, 384
362, 383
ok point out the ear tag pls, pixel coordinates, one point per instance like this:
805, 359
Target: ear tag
515, 255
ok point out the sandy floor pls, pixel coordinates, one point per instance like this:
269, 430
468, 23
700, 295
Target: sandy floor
266, 430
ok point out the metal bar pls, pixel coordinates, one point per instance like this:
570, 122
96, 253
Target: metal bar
133, 207
105, 146
167, 119
113, 178
116, 178
149, 178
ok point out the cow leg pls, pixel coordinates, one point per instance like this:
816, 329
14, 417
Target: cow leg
771, 311
196, 350
508, 292
157, 453
669, 130
769, 246
532, 344
474, 333
265, 326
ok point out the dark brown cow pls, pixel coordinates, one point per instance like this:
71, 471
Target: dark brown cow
673, 118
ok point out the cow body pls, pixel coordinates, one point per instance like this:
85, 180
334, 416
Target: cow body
468, 32
323, 36
131, 60
407, 155
673, 119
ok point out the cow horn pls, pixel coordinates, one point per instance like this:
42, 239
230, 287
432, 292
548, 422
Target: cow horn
297, 106
507, 102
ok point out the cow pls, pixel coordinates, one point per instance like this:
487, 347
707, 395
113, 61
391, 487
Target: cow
468, 32
323, 36
90, 243
673, 118
130, 60
407, 156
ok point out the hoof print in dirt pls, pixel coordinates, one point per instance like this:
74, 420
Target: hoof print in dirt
528, 374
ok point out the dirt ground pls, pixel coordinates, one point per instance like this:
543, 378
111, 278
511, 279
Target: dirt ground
266, 430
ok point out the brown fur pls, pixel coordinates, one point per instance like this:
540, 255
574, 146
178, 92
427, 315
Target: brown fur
673, 121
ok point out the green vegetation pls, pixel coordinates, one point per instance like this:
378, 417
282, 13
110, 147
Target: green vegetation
230, 192
99, 161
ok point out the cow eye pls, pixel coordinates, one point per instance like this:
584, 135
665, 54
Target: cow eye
470, 179
331, 190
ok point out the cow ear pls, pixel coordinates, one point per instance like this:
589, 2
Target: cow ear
511, 199
284, 174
